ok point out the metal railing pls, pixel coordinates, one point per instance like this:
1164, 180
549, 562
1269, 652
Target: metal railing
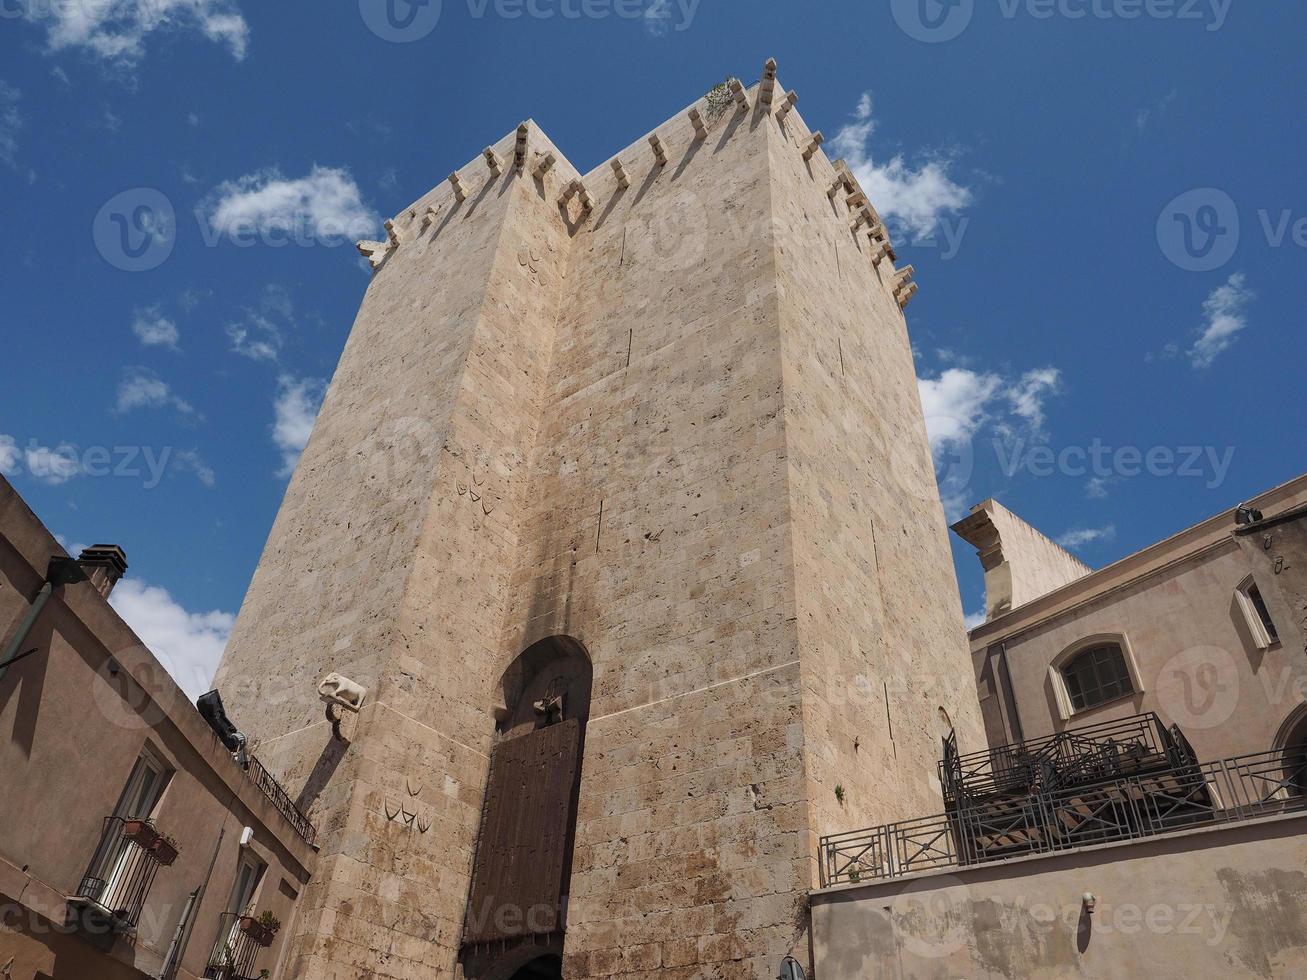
235, 951
272, 789
1077, 755
120, 875
1131, 808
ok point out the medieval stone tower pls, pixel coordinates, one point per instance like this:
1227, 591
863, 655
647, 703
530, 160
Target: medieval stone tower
621, 507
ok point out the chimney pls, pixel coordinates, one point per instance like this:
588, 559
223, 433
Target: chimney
104, 565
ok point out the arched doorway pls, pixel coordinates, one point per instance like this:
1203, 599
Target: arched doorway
516, 914
1295, 753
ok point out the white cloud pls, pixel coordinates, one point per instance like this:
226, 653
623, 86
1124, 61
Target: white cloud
153, 329
295, 410
260, 335
1226, 317
188, 644
53, 465
142, 388
1027, 395
960, 402
327, 204
1083, 536
956, 405
9, 455
658, 18
191, 461
914, 197
49, 464
977, 619
11, 123
116, 30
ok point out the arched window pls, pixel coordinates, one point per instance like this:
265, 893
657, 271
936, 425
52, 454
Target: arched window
1097, 675
1256, 614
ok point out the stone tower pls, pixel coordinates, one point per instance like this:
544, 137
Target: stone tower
621, 507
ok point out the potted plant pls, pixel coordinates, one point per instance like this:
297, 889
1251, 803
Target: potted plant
140, 832
256, 928
165, 849
271, 925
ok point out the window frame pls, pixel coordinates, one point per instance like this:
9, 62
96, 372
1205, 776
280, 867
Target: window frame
1057, 673
1264, 632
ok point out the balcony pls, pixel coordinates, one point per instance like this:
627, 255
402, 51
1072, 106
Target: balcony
1128, 781
114, 889
235, 955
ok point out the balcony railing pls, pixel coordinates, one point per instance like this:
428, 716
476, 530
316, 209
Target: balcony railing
122, 871
236, 951
281, 800
1090, 753
1132, 808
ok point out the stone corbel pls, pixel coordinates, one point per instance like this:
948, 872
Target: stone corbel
788, 103
374, 252
740, 96
767, 90
623, 181
429, 218
544, 165
904, 287
660, 152
456, 182
492, 162
700, 127
813, 146
858, 199
519, 151
392, 234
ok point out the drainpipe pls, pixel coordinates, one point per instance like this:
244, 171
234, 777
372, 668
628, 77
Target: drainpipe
62, 571
173, 961
1018, 731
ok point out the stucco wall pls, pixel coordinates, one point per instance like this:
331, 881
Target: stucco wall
1021, 563
1222, 903
1175, 606
74, 718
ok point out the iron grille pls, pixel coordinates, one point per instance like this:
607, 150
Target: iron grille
281, 800
235, 951
1122, 809
121, 873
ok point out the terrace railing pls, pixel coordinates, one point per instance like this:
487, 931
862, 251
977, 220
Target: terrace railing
1123, 809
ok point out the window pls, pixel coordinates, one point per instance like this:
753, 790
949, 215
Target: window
1257, 615
1096, 676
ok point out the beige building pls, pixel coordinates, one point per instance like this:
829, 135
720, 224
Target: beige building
133, 842
1138, 806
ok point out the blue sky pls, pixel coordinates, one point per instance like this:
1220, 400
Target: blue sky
1102, 198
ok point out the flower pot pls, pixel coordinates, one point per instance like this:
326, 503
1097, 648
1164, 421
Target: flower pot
164, 851
140, 832
254, 929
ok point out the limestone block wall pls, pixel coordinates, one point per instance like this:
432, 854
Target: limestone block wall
658, 535
625, 426
880, 622
385, 565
